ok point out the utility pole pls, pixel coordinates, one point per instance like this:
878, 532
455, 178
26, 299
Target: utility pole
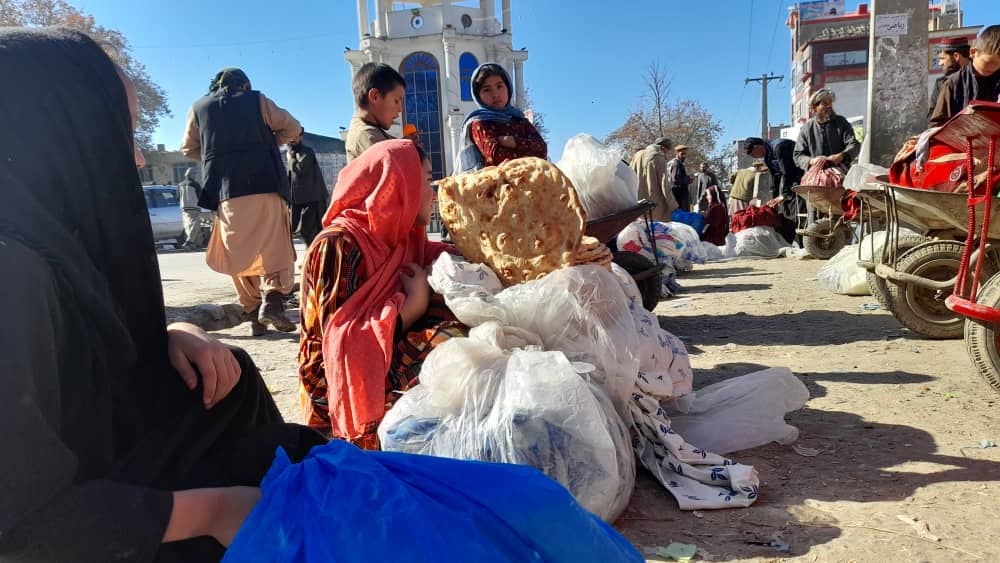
764, 79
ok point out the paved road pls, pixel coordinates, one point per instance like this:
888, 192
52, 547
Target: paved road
187, 281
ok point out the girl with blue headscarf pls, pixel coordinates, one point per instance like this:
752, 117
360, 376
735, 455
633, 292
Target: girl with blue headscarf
496, 131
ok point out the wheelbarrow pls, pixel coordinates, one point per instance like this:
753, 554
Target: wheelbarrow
827, 231
947, 287
645, 272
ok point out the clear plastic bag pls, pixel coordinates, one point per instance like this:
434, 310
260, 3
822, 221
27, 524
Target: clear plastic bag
604, 183
842, 275
483, 398
580, 311
740, 413
763, 242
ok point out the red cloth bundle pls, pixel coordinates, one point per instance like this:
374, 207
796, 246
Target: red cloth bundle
943, 172
754, 217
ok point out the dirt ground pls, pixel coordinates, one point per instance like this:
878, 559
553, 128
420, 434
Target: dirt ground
890, 414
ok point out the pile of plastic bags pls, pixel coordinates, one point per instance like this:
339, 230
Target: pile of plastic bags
676, 243
571, 375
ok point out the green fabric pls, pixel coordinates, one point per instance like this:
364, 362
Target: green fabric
743, 185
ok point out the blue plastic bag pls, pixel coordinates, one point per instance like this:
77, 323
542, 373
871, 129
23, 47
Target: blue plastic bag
344, 504
689, 218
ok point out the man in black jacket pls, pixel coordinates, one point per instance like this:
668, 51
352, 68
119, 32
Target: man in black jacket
235, 131
309, 194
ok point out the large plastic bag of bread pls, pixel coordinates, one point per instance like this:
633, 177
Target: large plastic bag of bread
522, 219
495, 397
605, 184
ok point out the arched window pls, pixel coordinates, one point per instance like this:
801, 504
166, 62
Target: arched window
467, 64
422, 105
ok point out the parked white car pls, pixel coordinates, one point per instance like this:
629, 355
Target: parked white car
164, 207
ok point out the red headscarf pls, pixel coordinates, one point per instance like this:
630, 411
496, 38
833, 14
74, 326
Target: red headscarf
376, 202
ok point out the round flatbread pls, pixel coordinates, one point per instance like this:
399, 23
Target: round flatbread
523, 218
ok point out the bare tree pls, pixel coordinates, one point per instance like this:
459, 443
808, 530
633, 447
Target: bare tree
657, 93
44, 13
537, 117
686, 122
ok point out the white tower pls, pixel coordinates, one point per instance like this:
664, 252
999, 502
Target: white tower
436, 45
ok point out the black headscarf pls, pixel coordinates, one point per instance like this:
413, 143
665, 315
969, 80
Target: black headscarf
72, 196
72, 191
230, 77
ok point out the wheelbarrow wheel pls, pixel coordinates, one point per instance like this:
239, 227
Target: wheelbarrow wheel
824, 248
983, 340
645, 273
879, 287
923, 310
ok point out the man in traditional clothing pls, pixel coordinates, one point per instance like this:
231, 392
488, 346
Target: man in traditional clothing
953, 57
309, 194
977, 81
827, 137
235, 131
650, 165
188, 192
706, 179
679, 177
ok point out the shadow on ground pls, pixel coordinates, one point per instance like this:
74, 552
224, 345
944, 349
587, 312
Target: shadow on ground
805, 328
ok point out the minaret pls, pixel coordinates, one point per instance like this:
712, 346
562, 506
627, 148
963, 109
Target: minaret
436, 45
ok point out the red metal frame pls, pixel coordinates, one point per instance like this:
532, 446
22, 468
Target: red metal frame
963, 297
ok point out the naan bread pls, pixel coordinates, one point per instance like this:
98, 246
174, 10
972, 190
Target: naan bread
523, 218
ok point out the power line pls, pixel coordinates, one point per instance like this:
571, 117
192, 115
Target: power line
749, 36
774, 32
238, 43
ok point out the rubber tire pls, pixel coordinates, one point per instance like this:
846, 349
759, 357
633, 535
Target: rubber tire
635, 263
820, 248
903, 298
879, 287
981, 339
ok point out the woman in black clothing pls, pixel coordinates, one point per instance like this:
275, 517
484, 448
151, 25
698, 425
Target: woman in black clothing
122, 439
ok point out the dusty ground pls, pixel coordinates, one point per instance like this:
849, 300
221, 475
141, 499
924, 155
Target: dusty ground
889, 412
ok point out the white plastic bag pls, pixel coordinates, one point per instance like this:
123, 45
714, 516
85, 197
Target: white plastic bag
841, 274
740, 413
677, 244
483, 398
691, 251
604, 183
762, 242
580, 311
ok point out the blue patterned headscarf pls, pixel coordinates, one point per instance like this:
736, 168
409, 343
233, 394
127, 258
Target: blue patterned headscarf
469, 158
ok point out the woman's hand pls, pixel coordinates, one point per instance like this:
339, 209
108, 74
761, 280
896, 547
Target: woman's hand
218, 513
816, 159
508, 141
190, 347
418, 293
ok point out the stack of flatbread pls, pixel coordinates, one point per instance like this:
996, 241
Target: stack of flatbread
593, 251
523, 218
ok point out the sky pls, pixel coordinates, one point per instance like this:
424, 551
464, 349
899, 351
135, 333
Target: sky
586, 58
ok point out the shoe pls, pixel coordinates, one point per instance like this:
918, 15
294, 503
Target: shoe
273, 312
257, 328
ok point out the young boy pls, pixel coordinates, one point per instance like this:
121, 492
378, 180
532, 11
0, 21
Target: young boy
378, 93
977, 81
